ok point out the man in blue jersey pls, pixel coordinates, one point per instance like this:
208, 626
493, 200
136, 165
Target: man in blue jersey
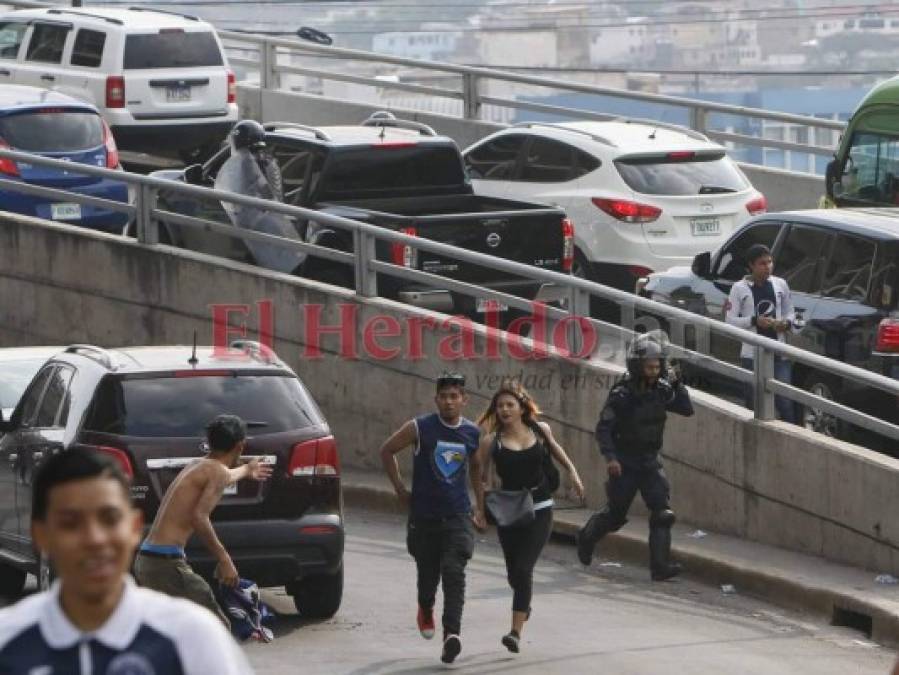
440, 534
94, 620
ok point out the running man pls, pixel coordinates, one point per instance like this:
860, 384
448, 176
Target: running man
94, 619
185, 509
440, 536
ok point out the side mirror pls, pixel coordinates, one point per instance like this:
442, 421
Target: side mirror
702, 265
5, 425
830, 177
193, 175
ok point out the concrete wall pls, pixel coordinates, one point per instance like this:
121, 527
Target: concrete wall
785, 190
767, 482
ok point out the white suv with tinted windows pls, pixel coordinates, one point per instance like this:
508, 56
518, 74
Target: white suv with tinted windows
161, 80
643, 196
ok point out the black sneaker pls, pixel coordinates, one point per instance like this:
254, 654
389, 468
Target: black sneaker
452, 645
667, 572
510, 642
585, 547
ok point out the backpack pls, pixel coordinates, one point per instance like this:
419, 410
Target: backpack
552, 479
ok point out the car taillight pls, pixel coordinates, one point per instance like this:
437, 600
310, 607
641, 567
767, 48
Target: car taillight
626, 211
757, 205
639, 271
319, 529
567, 244
887, 336
112, 150
314, 458
402, 254
115, 91
7, 166
232, 87
119, 456
394, 145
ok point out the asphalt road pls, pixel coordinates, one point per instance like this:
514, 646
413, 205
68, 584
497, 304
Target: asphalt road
609, 619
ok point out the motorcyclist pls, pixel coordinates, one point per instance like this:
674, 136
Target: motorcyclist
250, 134
629, 433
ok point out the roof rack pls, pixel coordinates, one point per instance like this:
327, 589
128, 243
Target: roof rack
109, 19
692, 133
255, 348
97, 354
189, 17
383, 118
574, 130
318, 133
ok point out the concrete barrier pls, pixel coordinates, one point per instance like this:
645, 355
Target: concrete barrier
785, 190
767, 482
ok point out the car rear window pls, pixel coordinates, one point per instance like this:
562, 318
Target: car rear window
393, 169
674, 176
52, 130
172, 49
183, 406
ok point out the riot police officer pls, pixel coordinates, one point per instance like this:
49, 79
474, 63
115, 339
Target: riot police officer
629, 434
250, 134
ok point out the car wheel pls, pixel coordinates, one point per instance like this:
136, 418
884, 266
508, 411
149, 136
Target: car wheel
12, 581
815, 419
318, 597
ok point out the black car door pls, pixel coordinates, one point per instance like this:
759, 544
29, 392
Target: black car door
12, 462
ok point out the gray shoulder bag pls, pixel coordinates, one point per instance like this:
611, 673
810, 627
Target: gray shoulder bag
510, 508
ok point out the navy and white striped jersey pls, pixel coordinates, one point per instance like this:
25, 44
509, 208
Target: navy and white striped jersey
148, 634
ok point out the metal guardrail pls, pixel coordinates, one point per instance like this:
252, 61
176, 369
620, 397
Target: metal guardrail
268, 63
579, 291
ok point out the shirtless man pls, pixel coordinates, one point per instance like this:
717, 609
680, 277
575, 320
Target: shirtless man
160, 563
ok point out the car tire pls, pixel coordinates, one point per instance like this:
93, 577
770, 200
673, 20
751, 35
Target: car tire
816, 420
318, 597
12, 581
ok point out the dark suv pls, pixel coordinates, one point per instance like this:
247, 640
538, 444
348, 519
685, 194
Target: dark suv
147, 407
842, 266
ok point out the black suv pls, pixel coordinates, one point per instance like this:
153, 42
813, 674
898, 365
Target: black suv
842, 266
147, 407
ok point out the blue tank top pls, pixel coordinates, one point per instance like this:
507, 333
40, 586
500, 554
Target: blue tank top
440, 467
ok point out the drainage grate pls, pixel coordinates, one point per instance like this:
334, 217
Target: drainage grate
852, 619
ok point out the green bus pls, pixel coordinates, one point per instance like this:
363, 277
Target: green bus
865, 169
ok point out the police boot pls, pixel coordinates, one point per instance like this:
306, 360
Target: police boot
598, 526
660, 565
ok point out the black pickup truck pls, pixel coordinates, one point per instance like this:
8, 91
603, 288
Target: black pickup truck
398, 175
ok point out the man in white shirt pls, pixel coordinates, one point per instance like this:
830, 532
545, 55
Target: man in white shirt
94, 620
762, 302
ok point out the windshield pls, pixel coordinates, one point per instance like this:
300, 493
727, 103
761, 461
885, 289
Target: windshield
871, 171
16, 377
182, 406
674, 176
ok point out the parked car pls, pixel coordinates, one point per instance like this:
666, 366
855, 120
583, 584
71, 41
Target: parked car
60, 127
147, 408
843, 270
161, 80
645, 195
18, 366
398, 175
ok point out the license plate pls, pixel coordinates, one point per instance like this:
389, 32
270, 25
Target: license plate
484, 306
705, 227
65, 211
230, 490
177, 94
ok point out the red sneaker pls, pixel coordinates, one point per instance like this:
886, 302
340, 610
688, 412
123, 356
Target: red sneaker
426, 623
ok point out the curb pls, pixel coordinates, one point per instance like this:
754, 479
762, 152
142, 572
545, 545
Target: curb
833, 605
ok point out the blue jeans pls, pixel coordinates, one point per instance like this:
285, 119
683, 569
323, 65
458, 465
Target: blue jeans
783, 372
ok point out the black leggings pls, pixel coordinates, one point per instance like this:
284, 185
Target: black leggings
521, 548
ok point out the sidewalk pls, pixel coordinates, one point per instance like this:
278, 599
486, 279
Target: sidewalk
835, 593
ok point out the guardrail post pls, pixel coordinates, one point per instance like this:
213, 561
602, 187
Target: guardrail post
763, 371
698, 119
147, 227
578, 308
268, 66
471, 96
366, 278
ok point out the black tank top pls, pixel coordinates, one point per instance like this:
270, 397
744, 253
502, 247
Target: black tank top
521, 469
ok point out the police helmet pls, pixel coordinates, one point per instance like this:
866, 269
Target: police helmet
248, 134
652, 345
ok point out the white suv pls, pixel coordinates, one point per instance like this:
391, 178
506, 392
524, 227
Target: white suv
643, 196
160, 80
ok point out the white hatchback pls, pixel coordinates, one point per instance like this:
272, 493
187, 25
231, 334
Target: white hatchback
643, 196
160, 80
